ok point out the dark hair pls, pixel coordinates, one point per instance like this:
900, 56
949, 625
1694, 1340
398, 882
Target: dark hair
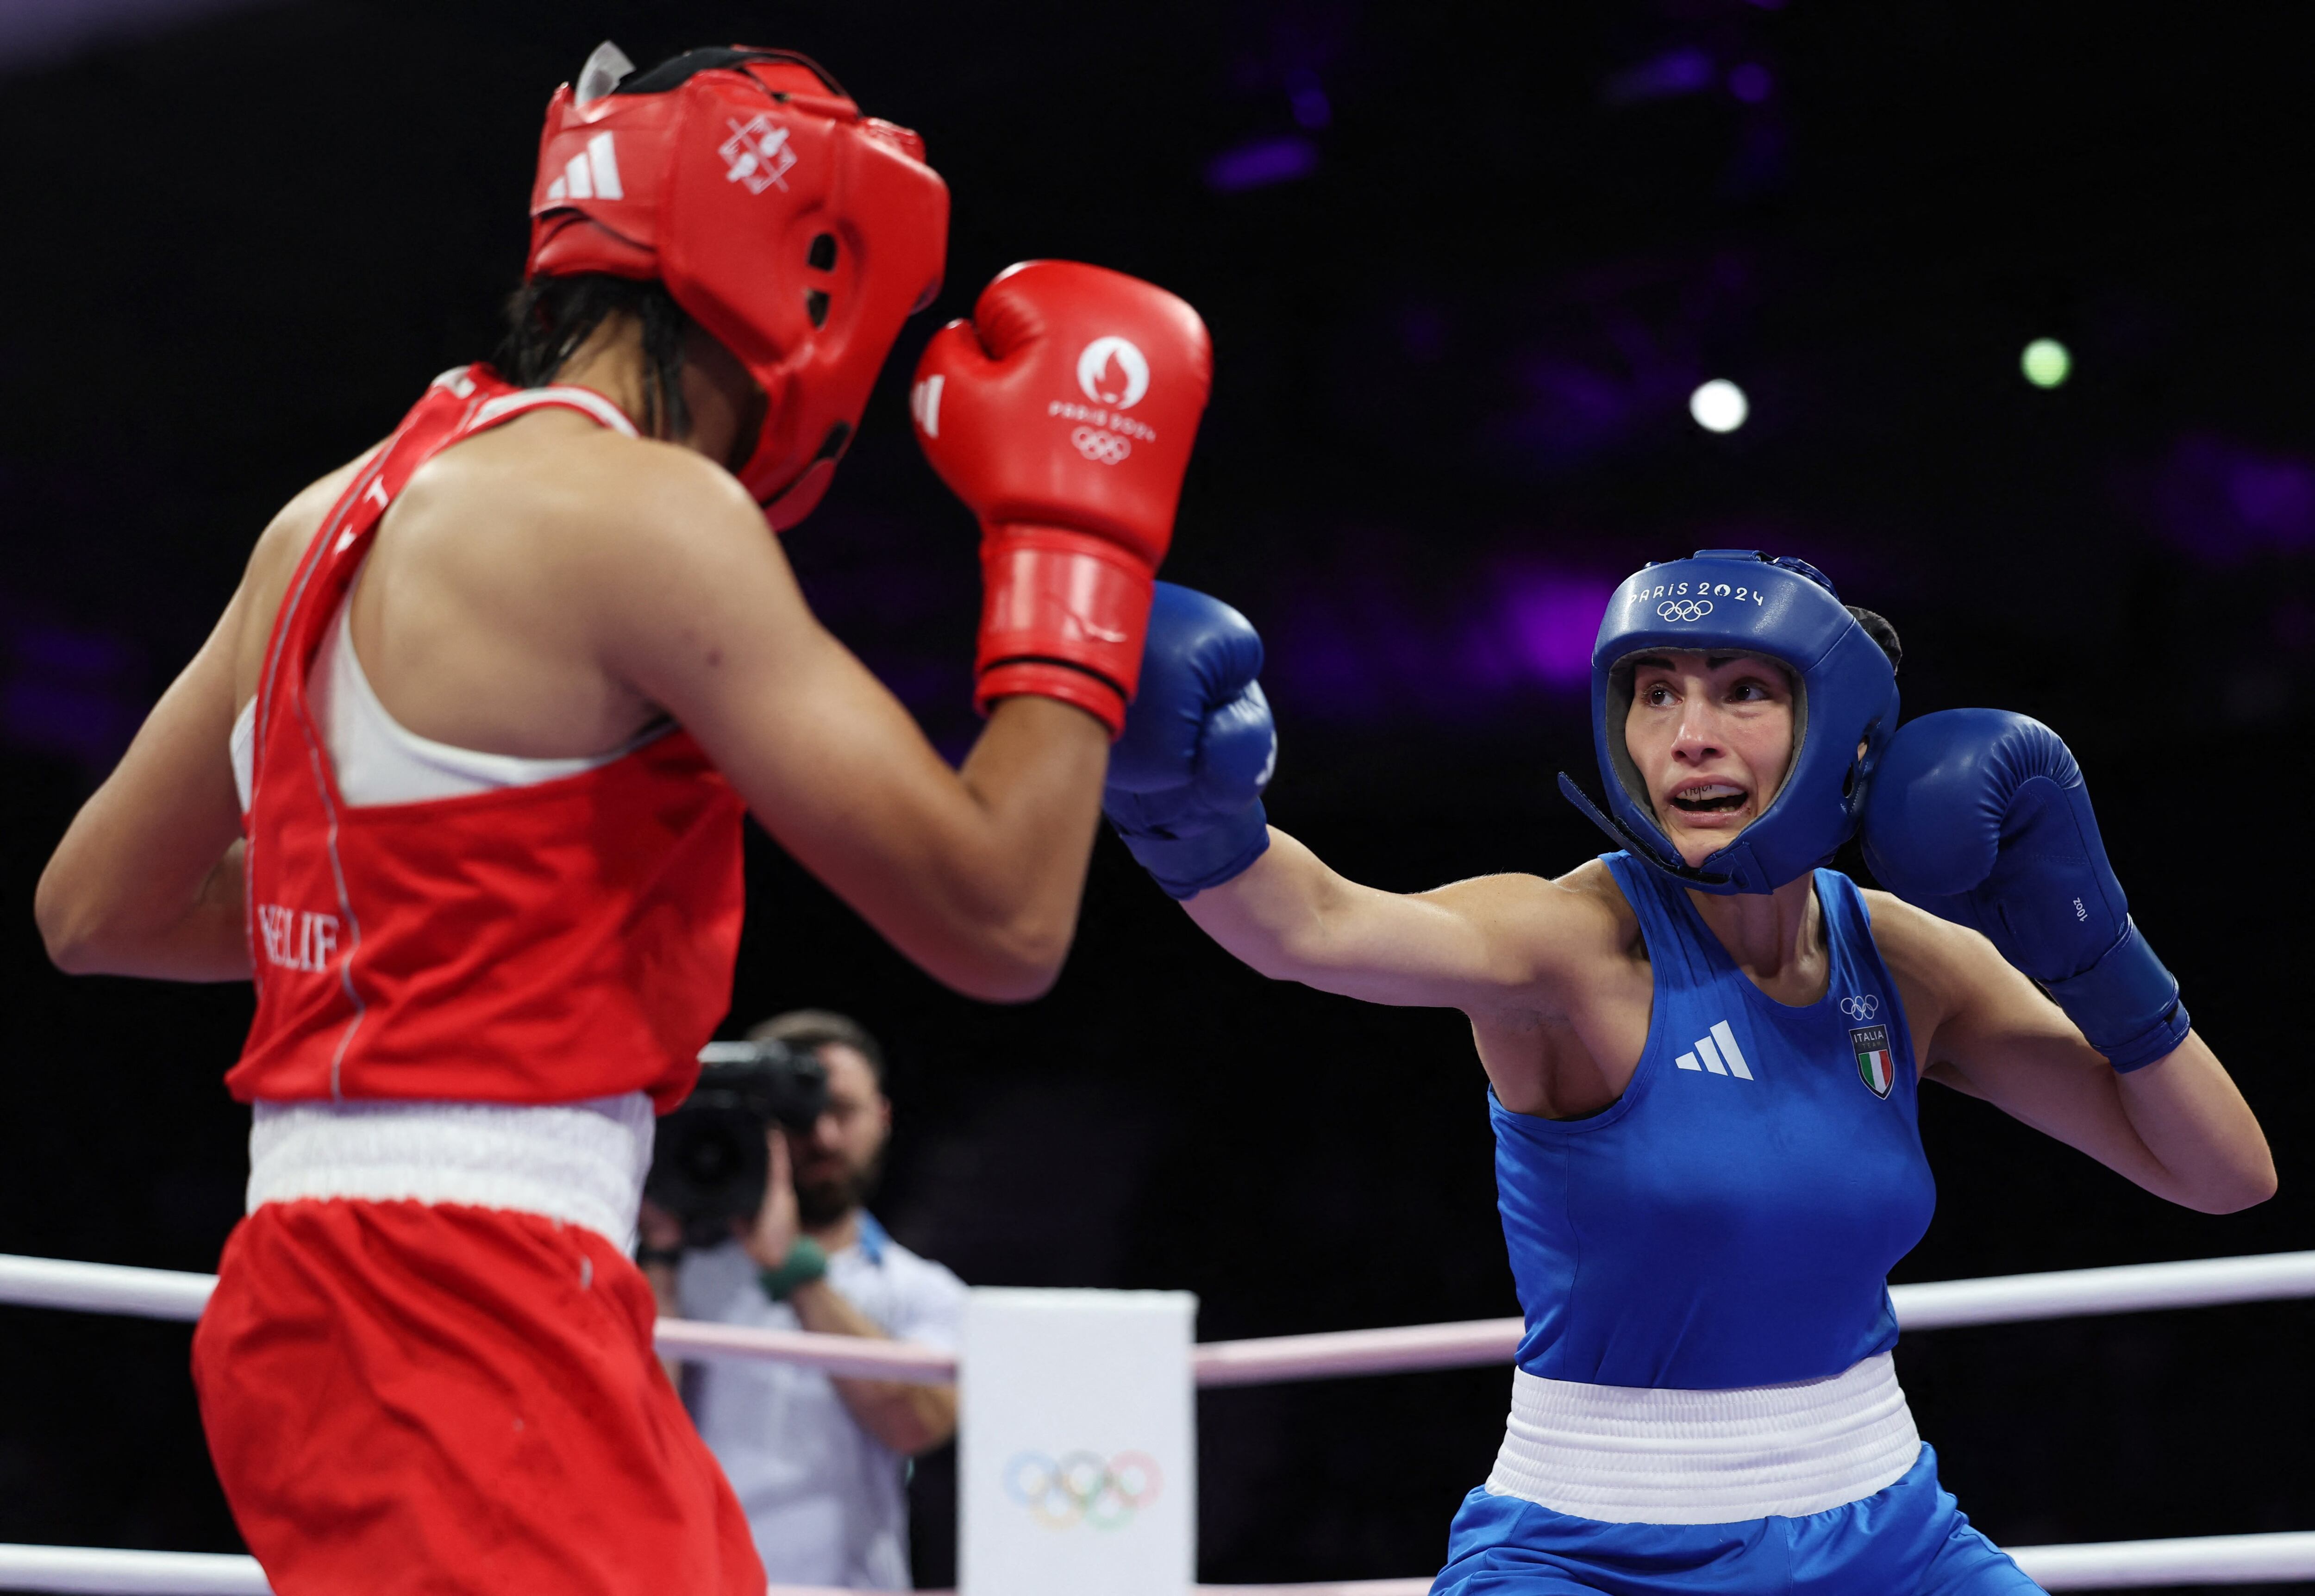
1880, 631
549, 318
819, 1027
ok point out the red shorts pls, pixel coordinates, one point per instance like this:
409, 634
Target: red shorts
404, 1398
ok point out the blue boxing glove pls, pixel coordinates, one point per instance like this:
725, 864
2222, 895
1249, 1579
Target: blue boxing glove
1185, 779
1980, 816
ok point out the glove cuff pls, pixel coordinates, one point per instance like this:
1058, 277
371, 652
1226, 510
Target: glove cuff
1058, 604
1185, 866
1048, 679
2127, 1004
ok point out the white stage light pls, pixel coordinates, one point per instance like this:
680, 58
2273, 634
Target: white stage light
1719, 405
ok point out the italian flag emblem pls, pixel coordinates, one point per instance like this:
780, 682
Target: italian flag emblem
1874, 1066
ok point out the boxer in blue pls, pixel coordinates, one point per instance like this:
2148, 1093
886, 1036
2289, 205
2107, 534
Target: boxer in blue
1703, 1050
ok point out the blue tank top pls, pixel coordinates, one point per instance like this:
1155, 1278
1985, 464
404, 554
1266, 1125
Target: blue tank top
1731, 1219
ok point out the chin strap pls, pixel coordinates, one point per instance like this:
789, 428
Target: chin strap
1639, 846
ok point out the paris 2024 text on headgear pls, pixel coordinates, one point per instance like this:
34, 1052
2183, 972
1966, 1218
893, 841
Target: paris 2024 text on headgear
796, 231
1844, 693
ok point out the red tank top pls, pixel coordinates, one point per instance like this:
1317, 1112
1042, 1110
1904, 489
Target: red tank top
539, 943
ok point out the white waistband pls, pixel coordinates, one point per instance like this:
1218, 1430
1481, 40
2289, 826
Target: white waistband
582, 1162
1626, 1455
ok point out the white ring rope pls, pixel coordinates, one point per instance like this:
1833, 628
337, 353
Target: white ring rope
2133, 1288
148, 1573
2189, 1560
2129, 1288
2197, 1560
2110, 1565
103, 1288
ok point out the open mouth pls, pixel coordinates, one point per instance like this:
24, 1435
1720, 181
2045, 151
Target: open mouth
1709, 798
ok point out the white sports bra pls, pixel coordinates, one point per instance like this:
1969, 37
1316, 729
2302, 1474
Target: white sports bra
375, 757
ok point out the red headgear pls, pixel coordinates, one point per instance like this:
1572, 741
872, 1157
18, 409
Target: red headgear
798, 232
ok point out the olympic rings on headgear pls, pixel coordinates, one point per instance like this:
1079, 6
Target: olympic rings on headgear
1684, 609
1083, 1488
1862, 1007
1106, 447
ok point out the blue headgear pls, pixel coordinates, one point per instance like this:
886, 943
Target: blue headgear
1845, 693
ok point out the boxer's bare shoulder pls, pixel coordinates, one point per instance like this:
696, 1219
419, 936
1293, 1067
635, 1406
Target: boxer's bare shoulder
1937, 965
1560, 934
1566, 1044
272, 561
1593, 885
565, 500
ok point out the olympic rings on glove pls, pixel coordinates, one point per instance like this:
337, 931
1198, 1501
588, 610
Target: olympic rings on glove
1684, 609
1081, 1488
1106, 447
1862, 1007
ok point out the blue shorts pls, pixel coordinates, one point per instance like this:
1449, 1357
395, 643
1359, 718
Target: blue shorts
1909, 1540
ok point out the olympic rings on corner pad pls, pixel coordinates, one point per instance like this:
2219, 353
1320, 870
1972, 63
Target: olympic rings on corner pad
1082, 1488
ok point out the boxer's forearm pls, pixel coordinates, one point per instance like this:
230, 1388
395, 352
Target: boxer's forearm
1292, 917
147, 878
205, 940
1282, 916
2193, 1120
976, 874
2178, 1127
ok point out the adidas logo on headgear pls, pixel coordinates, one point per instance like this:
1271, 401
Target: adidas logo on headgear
591, 174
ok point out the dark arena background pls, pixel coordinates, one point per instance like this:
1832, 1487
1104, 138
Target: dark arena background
1465, 266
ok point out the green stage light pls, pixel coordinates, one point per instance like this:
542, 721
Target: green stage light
2046, 362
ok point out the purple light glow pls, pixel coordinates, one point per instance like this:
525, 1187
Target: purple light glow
1578, 405
1262, 163
1751, 82
1365, 652
73, 692
1312, 108
1553, 621
2224, 502
1666, 76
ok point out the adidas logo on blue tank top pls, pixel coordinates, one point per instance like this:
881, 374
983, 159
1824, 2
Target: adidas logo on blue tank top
1719, 1054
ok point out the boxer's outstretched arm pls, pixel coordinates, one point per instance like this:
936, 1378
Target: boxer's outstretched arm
2179, 1127
974, 874
1185, 784
1473, 944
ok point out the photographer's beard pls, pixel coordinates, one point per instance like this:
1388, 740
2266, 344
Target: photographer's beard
828, 1191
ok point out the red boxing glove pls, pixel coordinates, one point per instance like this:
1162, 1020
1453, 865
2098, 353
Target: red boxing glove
1062, 414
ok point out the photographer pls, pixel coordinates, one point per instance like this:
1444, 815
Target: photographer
819, 1463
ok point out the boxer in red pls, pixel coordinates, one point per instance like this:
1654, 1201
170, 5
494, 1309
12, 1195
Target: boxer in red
457, 780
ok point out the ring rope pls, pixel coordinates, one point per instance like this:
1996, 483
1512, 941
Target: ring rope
2133, 1287
2097, 1565
2217, 1559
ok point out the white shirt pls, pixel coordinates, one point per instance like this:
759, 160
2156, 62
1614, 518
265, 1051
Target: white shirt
825, 1499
